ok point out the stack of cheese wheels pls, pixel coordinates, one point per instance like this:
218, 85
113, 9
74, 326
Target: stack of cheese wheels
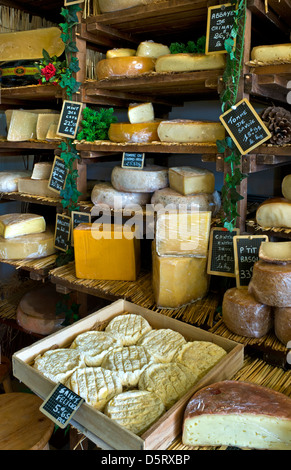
25, 236
270, 54
271, 284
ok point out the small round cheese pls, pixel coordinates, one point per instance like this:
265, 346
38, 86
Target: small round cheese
94, 345
58, 364
147, 180
126, 66
128, 328
162, 344
199, 356
152, 49
120, 52
103, 194
271, 284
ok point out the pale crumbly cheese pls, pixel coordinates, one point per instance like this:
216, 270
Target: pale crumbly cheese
152, 49
272, 53
22, 126
120, 52
172, 200
41, 171
36, 245
9, 180
140, 112
147, 180
187, 131
43, 124
105, 194
199, 356
16, 225
95, 385
35, 187
128, 328
58, 364
135, 410
168, 381
94, 345
191, 180
275, 252
186, 62
128, 362
162, 344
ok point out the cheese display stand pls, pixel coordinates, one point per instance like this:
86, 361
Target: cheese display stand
151, 303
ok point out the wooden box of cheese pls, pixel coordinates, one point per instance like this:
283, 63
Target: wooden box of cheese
98, 427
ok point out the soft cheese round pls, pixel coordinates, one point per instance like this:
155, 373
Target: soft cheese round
106, 194
168, 381
128, 362
128, 328
162, 344
94, 345
147, 180
135, 410
96, 385
58, 364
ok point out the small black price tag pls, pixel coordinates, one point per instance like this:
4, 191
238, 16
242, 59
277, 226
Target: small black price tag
245, 126
62, 232
58, 176
246, 253
61, 405
69, 119
133, 160
76, 219
220, 20
221, 252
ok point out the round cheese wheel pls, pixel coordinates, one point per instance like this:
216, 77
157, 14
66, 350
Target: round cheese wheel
243, 315
9, 180
184, 130
35, 245
147, 180
282, 324
274, 212
140, 132
105, 194
152, 49
272, 53
127, 66
170, 198
271, 284
286, 187
185, 62
120, 52
116, 5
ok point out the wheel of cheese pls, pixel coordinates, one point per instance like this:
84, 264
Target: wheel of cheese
271, 284
171, 199
272, 53
282, 324
120, 52
152, 49
185, 62
274, 212
105, 194
184, 131
243, 315
143, 132
116, 5
9, 180
275, 252
128, 66
286, 187
147, 180
35, 245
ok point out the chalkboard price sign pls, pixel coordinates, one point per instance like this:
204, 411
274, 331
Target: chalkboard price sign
61, 405
220, 19
76, 219
245, 126
246, 253
221, 252
62, 232
69, 119
58, 175
133, 160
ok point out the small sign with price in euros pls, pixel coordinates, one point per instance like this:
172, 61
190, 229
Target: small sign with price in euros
69, 119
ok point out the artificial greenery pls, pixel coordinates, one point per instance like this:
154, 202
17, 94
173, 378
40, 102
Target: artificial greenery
191, 47
70, 309
95, 124
50, 69
234, 45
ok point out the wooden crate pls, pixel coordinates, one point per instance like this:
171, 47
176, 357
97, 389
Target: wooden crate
94, 424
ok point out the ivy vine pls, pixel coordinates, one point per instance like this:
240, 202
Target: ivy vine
234, 45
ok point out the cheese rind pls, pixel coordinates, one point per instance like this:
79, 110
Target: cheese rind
152, 49
244, 316
52, 133
128, 66
9, 180
185, 62
104, 194
43, 123
120, 52
187, 131
128, 328
275, 252
41, 171
191, 180
274, 212
127, 132
240, 414
271, 284
15, 225
282, 324
140, 112
35, 187
22, 126
286, 187
147, 180
172, 200
35, 245
272, 53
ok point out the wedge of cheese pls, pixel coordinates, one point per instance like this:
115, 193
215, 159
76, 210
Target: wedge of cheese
127, 66
15, 225
41, 170
272, 53
186, 62
43, 123
35, 245
35, 187
22, 126
187, 131
140, 112
9, 180
152, 49
28, 45
120, 52
191, 180
52, 132
240, 414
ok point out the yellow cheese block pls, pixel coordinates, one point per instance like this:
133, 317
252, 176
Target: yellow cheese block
140, 132
109, 252
124, 66
183, 234
43, 124
14, 225
186, 62
191, 180
178, 280
22, 126
186, 131
28, 45
35, 245
120, 52
272, 53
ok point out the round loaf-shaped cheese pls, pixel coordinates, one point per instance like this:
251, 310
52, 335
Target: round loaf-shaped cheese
107, 6
136, 133
170, 198
271, 284
282, 324
103, 194
186, 62
120, 52
274, 212
147, 180
187, 131
286, 187
127, 66
152, 49
272, 53
243, 315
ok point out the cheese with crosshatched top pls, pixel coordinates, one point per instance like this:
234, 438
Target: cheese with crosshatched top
58, 364
94, 345
191, 180
15, 224
128, 328
162, 344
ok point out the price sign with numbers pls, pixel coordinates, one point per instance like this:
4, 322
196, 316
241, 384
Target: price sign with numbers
220, 21
221, 254
69, 119
62, 232
246, 253
61, 405
133, 160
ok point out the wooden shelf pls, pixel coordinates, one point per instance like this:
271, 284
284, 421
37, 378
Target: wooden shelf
269, 81
38, 268
28, 93
34, 145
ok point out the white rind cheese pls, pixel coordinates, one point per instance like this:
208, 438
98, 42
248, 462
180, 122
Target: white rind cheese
172, 200
9, 180
187, 131
15, 225
104, 194
191, 180
147, 180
